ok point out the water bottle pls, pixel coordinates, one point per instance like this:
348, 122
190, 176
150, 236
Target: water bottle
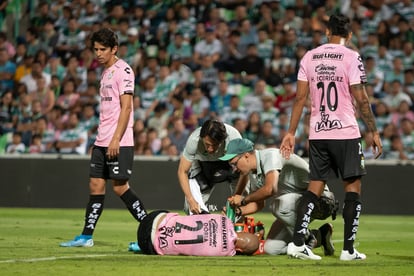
230, 212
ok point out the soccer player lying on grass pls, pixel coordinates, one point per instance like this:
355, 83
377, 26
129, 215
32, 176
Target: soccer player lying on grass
282, 181
165, 233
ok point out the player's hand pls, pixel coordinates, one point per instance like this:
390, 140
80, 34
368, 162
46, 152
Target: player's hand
194, 207
377, 145
236, 200
113, 149
287, 146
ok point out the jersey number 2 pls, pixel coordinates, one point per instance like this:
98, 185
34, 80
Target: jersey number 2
332, 102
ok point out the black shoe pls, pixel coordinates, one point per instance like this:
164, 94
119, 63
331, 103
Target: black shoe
326, 242
311, 241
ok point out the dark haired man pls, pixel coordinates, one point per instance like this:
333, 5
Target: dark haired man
334, 77
113, 151
200, 168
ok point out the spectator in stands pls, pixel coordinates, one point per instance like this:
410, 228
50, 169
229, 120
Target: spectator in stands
7, 112
251, 67
266, 138
88, 16
286, 97
159, 119
39, 18
148, 95
166, 84
45, 95
291, 20
7, 44
253, 126
407, 136
208, 46
403, 112
178, 134
180, 47
182, 111
279, 67
32, 41
408, 87
221, 99
62, 12
180, 72
74, 138
154, 142
248, 36
48, 36
200, 105
89, 121
396, 73
253, 101
36, 72
77, 73
269, 112
397, 151
46, 134
186, 21
395, 96
235, 110
151, 68
230, 53
71, 40
54, 67
206, 75
140, 142
375, 76
7, 71
24, 116
21, 52
265, 47
16, 146
36, 145
69, 98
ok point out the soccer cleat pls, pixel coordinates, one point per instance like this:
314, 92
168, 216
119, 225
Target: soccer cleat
134, 247
79, 241
326, 242
356, 256
301, 252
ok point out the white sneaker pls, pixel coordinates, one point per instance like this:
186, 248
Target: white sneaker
346, 256
301, 252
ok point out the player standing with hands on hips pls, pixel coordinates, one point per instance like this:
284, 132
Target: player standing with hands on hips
113, 151
334, 76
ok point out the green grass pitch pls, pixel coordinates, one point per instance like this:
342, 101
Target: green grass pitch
29, 245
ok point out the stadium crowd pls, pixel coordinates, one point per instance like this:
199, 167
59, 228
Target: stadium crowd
232, 60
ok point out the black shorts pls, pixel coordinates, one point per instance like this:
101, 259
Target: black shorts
119, 168
344, 157
144, 233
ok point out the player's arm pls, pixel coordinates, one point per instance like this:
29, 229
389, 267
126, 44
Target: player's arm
361, 97
241, 184
182, 173
288, 143
126, 109
251, 208
267, 190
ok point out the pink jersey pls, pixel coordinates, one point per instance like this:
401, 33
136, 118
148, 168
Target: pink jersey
116, 80
330, 69
197, 235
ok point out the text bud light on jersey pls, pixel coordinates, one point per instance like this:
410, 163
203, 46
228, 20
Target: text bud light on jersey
230, 213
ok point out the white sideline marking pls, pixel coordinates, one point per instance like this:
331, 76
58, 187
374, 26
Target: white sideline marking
33, 260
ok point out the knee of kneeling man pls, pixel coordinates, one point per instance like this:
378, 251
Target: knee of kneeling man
275, 247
